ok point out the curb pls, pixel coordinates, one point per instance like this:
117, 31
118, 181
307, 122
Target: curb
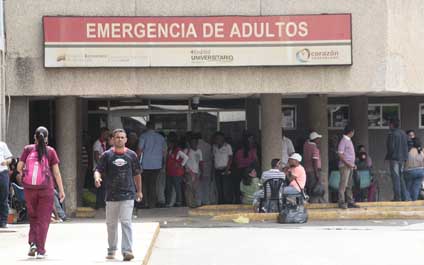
336, 214
151, 245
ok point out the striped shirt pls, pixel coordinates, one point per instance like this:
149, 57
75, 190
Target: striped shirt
272, 174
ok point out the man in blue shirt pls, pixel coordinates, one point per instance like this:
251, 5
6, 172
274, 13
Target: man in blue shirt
151, 150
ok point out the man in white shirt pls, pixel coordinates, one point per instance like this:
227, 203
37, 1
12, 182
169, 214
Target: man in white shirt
5, 160
194, 168
223, 157
287, 150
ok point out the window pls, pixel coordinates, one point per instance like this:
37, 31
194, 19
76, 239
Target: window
380, 114
338, 116
289, 117
421, 117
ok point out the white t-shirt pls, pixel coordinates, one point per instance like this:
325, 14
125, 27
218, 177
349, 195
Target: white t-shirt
287, 150
4, 154
97, 146
194, 159
221, 155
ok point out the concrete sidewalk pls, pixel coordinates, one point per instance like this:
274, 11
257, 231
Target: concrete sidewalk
75, 243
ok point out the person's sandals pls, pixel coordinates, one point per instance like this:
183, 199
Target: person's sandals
128, 256
32, 250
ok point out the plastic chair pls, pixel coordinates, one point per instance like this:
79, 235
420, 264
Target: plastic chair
272, 198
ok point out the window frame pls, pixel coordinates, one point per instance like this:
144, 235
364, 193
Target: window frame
295, 116
332, 127
381, 105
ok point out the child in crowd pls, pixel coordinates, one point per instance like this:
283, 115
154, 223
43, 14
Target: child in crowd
194, 168
249, 185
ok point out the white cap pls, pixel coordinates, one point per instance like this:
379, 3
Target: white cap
314, 135
296, 156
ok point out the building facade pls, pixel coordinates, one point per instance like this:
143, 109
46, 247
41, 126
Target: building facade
384, 79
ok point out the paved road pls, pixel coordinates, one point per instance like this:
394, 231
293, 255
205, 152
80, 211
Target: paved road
316, 245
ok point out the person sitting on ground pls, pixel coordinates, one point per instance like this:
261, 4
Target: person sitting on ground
296, 175
249, 184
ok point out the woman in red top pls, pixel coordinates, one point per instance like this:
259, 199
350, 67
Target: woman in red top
175, 160
39, 188
245, 156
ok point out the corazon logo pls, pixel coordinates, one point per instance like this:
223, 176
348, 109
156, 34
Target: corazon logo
303, 55
119, 162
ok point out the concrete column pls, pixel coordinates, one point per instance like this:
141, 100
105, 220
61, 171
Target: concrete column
317, 120
271, 138
252, 116
67, 128
18, 126
359, 119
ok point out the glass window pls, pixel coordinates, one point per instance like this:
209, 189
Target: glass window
289, 117
338, 116
380, 114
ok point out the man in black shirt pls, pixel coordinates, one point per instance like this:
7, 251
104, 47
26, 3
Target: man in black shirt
119, 171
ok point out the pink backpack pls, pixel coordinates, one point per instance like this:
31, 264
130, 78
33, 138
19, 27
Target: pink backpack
36, 173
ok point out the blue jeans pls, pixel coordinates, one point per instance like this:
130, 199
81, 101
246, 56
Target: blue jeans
58, 206
290, 190
414, 178
4, 197
119, 211
399, 187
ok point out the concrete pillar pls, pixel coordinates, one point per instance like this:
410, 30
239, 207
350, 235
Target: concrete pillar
18, 125
67, 128
317, 120
359, 119
252, 116
271, 137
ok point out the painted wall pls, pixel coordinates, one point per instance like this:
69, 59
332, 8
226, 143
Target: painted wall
373, 51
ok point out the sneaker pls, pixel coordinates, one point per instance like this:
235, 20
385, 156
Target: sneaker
32, 250
41, 256
343, 206
110, 255
128, 256
353, 205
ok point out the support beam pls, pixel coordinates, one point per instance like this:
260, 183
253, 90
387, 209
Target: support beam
67, 128
318, 121
18, 130
271, 128
252, 116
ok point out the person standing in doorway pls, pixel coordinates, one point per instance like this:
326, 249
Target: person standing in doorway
151, 150
99, 147
193, 173
397, 155
206, 180
347, 156
37, 166
287, 150
312, 163
175, 160
5, 161
223, 157
119, 171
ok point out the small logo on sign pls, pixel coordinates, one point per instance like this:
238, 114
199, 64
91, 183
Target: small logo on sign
119, 162
303, 55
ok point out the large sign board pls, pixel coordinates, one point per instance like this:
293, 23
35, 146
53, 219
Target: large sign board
197, 41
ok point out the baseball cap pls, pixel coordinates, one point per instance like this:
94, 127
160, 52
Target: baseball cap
296, 156
314, 135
